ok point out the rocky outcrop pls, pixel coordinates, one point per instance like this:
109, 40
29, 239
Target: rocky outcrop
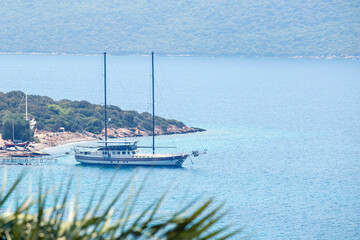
135, 132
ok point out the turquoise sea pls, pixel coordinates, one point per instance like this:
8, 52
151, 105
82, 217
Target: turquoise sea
283, 135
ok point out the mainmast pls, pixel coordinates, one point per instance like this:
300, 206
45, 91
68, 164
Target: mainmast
105, 100
153, 101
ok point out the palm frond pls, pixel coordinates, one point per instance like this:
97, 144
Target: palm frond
201, 222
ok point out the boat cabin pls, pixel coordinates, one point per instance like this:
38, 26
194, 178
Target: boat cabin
113, 148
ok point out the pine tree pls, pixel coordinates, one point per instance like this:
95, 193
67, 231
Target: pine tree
22, 130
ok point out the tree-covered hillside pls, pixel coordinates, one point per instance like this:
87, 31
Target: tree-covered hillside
241, 28
76, 116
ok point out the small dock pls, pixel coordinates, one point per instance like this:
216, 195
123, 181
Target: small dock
30, 160
24, 156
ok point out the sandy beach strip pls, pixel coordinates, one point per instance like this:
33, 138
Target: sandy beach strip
46, 139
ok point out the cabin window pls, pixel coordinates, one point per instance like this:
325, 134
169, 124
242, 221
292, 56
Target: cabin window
128, 152
85, 153
133, 152
124, 152
114, 153
104, 152
118, 152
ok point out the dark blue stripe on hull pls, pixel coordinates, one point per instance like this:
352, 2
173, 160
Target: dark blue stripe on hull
132, 165
175, 161
129, 159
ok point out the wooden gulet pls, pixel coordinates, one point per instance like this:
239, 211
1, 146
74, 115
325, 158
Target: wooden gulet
127, 152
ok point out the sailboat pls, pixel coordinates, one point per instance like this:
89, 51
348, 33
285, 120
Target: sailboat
18, 143
15, 143
127, 152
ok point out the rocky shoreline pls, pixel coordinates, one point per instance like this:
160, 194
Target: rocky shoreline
135, 132
46, 139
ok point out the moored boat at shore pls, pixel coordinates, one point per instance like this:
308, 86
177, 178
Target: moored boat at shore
16, 144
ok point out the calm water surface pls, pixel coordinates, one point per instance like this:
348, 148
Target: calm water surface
283, 135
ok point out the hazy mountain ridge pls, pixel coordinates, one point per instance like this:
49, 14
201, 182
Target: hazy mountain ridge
240, 28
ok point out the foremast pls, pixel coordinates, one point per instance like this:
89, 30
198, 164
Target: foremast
153, 102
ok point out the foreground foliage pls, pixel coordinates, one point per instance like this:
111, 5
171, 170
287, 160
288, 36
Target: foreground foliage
76, 116
63, 220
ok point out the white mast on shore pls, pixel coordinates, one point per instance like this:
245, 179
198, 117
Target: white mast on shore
13, 131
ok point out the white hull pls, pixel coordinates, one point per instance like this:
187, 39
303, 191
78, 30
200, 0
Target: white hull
137, 163
176, 160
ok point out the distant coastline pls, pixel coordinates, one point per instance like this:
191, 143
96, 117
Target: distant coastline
325, 57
